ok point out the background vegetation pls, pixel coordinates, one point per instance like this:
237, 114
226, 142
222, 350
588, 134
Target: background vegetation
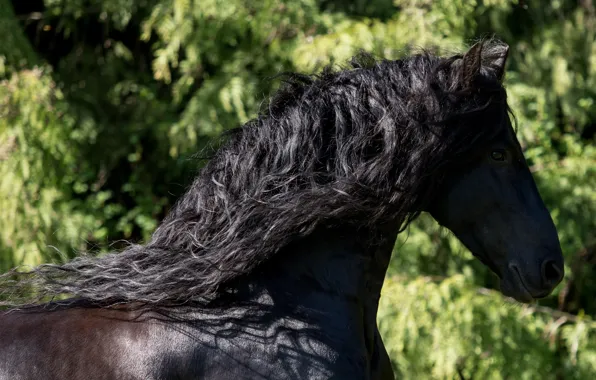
104, 105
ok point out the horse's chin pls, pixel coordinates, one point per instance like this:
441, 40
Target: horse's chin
513, 286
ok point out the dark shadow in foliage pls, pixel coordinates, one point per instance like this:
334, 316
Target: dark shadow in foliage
380, 9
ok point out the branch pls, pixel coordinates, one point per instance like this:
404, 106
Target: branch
560, 316
31, 16
532, 308
7, 147
563, 163
548, 165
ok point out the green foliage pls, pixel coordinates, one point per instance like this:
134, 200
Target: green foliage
105, 104
447, 328
40, 153
15, 49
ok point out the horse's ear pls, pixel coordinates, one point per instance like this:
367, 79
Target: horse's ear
494, 57
471, 63
488, 55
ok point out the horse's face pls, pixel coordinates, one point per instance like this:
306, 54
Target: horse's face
493, 206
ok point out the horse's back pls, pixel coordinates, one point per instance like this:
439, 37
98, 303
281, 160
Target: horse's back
91, 344
81, 344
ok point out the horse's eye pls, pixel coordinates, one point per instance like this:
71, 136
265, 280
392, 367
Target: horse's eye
498, 155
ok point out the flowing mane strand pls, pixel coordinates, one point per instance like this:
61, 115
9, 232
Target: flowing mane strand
346, 146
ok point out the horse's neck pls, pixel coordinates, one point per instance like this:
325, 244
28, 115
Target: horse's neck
332, 266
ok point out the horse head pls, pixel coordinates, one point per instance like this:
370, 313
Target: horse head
489, 200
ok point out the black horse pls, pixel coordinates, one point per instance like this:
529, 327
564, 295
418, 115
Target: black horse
271, 266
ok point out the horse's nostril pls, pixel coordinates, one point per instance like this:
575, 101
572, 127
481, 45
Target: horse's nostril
551, 273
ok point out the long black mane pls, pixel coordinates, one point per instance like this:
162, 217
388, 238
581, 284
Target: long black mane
358, 145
